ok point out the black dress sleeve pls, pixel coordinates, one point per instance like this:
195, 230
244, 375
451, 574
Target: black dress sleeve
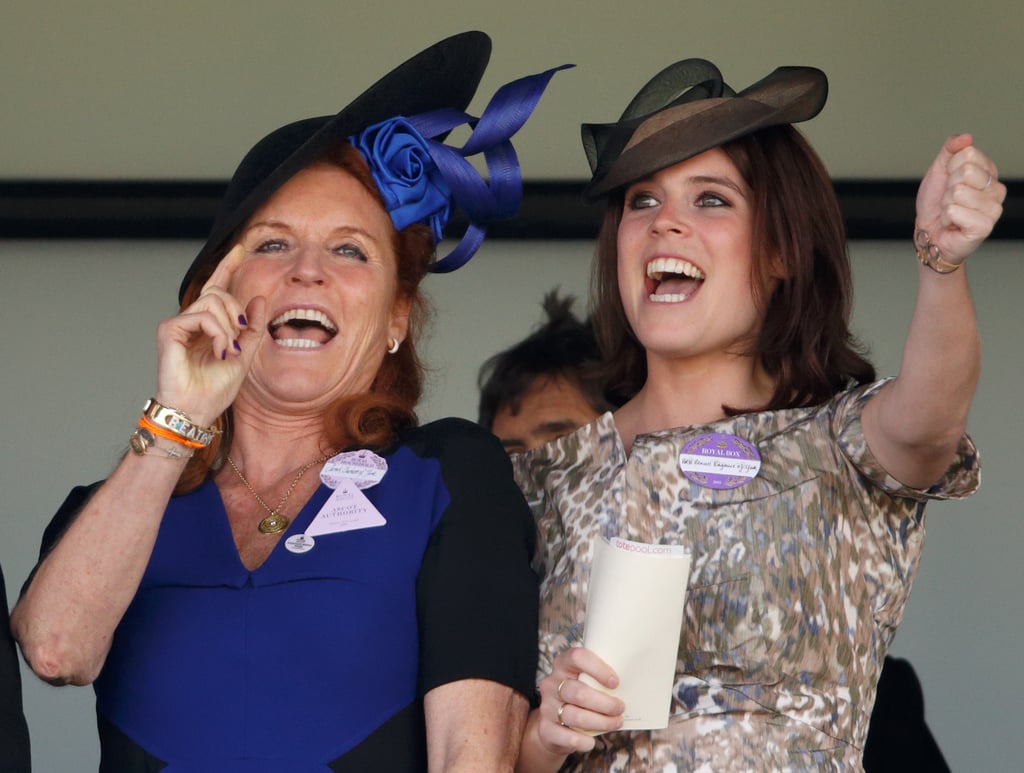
74, 502
477, 593
14, 742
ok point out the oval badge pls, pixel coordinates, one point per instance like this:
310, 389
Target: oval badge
719, 461
363, 467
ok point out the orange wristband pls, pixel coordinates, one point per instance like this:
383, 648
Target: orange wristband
159, 431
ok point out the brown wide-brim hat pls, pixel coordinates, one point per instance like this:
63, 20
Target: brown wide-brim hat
445, 75
686, 109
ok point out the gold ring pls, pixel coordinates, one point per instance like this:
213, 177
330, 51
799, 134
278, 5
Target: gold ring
560, 710
558, 692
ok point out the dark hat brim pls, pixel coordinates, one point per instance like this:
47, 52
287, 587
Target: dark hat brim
687, 127
445, 75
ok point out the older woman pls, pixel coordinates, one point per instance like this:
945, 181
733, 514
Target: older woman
286, 573
722, 305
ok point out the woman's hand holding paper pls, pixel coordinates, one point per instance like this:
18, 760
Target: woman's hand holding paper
571, 712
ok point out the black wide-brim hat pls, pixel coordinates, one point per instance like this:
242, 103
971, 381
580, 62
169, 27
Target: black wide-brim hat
445, 75
688, 108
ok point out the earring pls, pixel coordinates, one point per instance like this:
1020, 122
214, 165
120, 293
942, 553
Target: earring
395, 343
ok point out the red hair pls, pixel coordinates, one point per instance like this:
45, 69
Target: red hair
372, 419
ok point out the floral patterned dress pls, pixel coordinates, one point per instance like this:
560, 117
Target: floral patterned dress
798, 581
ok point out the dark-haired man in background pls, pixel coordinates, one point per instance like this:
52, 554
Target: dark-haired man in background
544, 386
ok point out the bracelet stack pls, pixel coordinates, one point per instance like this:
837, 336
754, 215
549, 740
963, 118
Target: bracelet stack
160, 422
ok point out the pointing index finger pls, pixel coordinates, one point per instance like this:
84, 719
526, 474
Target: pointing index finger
221, 275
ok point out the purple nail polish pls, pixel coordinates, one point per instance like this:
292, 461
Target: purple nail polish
237, 347
242, 320
224, 354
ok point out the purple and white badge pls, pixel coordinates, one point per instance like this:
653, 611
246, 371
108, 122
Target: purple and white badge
347, 509
719, 461
364, 468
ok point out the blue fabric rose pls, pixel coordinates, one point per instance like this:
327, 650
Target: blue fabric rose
413, 188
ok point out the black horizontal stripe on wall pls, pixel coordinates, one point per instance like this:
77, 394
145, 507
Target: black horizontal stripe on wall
551, 210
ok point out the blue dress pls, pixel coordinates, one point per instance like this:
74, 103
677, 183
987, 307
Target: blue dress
319, 661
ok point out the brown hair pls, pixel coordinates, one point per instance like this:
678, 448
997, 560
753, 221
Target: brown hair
563, 347
374, 418
805, 344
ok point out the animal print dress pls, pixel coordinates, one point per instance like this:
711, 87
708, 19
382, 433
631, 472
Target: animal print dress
798, 581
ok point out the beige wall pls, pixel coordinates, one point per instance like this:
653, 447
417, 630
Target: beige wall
145, 89
148, 89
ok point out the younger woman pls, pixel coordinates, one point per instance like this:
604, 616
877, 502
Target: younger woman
722, 304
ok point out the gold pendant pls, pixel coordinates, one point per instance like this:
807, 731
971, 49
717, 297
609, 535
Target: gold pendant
273, 524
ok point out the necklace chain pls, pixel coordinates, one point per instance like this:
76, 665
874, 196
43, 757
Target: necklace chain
276, 521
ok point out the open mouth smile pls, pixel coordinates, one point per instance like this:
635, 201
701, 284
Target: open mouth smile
302, 329
672, 280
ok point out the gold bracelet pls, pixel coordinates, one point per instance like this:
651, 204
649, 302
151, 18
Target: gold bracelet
928, 254
178, 423
141, 440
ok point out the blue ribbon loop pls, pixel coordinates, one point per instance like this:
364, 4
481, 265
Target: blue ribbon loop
424, 189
